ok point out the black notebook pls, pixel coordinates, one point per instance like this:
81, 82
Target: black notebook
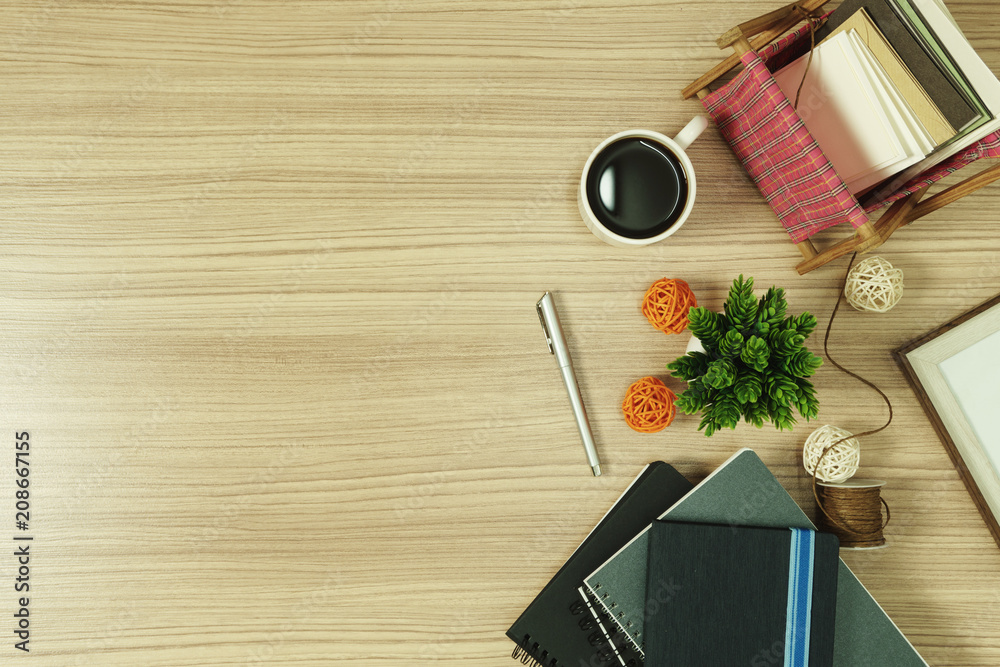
560, 628
736, 595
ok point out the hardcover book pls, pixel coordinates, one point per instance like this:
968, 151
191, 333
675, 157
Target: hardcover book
743, 492
740, 596
941, 89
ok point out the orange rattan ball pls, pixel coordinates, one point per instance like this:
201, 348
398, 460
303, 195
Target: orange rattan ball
666, 305
649, 405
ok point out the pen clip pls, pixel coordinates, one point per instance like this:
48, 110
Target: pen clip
545, 326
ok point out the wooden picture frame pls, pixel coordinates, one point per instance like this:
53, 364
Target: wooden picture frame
959, 388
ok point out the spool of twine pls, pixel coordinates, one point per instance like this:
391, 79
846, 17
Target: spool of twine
852, 511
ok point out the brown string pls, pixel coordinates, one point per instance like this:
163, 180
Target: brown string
864, 509
857, 530
814, 23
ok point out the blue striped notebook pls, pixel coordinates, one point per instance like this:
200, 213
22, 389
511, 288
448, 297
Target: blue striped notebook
743, 492
733, 595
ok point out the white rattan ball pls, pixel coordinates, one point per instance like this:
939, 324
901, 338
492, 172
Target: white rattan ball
840, 463
874, 285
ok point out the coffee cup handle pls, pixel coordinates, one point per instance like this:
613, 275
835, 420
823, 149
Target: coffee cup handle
691, 132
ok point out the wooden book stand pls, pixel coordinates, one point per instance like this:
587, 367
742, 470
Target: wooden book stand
758, 33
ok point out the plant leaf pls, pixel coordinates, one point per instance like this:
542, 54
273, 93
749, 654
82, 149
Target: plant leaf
692, 365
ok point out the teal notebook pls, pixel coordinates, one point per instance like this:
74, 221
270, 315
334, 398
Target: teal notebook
743, 492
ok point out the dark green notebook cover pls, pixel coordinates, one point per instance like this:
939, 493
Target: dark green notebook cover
729, 599
743, 492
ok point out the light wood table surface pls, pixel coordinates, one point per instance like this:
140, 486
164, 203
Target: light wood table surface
268, 284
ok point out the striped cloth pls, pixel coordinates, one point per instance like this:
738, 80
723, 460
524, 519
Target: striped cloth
780, 155
782, 158
798, 613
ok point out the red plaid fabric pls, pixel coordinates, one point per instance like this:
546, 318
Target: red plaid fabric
784, 160
780, 155
989, 146
783, 51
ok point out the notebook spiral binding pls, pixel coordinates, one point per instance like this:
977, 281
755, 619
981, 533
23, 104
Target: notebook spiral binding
618, 639
619, 623
531, 654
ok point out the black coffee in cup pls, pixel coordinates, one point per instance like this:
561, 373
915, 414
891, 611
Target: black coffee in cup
637, 187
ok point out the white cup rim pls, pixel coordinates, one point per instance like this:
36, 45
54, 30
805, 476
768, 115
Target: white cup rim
598, 227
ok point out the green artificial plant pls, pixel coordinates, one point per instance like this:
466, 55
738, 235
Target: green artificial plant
754, 365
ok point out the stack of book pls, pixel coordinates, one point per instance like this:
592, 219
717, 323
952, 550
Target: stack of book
729, 572
892, 88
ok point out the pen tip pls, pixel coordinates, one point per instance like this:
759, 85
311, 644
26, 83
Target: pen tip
597, 470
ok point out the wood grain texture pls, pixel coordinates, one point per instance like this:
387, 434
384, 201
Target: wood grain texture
269, 273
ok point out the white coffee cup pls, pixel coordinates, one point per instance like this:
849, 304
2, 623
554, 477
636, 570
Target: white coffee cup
676, 147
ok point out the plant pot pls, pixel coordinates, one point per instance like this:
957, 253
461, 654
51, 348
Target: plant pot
694, 345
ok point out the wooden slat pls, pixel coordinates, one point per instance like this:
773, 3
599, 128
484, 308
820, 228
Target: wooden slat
845, 247
954, 193
867, 237
897, 215
755, 26
807, 249
758, 42
741, 46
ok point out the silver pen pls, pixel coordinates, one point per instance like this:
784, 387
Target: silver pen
557, 346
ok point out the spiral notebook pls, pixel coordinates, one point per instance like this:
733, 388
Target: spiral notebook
743, 492
561, 627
